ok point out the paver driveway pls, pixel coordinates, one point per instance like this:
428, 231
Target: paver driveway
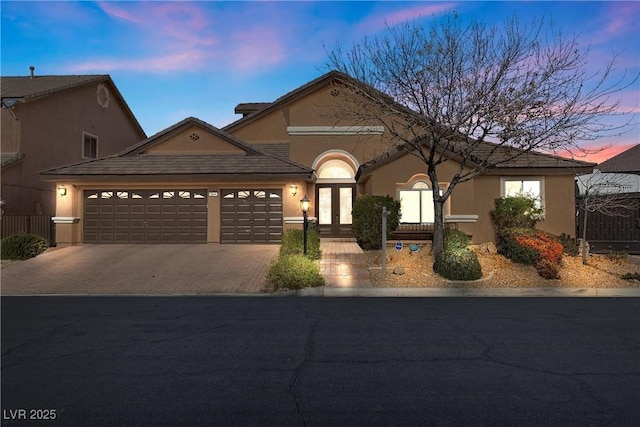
141, 269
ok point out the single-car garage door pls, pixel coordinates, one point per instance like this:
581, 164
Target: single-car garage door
145, 216
251, 216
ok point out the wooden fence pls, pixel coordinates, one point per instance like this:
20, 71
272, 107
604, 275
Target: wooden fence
41, 225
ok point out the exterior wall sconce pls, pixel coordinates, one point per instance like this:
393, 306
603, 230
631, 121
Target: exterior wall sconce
304, 207
62, 191
293, 189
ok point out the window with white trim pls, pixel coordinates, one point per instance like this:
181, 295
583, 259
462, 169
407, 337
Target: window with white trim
89, 146
416, 204
532, 187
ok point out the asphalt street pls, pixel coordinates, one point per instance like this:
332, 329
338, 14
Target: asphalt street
291, 361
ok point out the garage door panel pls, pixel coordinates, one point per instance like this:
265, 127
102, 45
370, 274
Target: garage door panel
122, 209
145, 216
251, 215
106, 209
122, 223
137, 209
152, 209
91, 209
106, 223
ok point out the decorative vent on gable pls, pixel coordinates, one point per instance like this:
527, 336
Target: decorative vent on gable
335, 92
102, 96
194, 137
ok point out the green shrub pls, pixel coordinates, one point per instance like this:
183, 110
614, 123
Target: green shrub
22, 246
570, 244
293, 243
461, 264
514, 212
290, 272
455, 239
367, 219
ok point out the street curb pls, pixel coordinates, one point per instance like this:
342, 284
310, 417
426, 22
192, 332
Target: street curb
324, 291
470, 292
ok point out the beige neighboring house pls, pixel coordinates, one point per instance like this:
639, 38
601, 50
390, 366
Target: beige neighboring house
242, 184
50, 121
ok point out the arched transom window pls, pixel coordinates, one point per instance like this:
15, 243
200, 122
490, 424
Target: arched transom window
335, 169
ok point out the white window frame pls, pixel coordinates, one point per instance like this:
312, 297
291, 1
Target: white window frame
540, 179
422, 193
84, 153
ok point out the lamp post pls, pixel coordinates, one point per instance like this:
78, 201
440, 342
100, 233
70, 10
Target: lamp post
304, 206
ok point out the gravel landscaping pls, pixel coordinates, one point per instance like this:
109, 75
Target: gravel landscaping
499, 272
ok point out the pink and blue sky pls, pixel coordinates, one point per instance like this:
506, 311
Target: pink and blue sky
175, 59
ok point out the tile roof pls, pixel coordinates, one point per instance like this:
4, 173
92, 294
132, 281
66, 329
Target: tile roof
188, 164
135, 162
626, 162
246, 108
7, 159
507, 157
27, 87
278, 150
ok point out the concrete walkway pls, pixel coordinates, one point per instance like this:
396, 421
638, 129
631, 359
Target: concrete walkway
343, 264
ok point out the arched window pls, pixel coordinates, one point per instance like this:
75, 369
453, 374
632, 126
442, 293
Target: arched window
335, 169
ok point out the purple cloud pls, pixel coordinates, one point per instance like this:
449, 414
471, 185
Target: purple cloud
381, 20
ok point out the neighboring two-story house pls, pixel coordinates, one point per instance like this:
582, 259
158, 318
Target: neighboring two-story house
193, 182
50, 121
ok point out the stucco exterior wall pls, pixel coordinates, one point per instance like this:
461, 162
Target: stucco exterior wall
194, 140
10, 130
312, 110
559, 204
50, 135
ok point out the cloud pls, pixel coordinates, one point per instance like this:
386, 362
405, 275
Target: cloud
257, 47
114, 11
166, 37
621, 17
381, 20
178, 61
175, 36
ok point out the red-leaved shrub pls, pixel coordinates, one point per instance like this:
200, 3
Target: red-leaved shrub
547, 246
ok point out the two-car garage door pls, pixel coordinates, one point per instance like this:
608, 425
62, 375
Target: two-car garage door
180, 216
145, 216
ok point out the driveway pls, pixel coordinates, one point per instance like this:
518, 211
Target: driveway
141, 269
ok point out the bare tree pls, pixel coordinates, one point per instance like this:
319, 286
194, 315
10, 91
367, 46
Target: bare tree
475, 93
606, 193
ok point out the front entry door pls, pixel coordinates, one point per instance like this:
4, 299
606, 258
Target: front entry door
334, 204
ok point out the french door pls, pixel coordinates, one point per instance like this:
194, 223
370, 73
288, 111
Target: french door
333, 209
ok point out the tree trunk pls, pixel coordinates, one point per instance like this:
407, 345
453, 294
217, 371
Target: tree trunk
583, 244
438, 231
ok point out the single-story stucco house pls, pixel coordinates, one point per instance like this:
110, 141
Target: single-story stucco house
243, 183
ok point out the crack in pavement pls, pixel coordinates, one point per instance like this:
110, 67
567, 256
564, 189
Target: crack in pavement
309, 350
131, 344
